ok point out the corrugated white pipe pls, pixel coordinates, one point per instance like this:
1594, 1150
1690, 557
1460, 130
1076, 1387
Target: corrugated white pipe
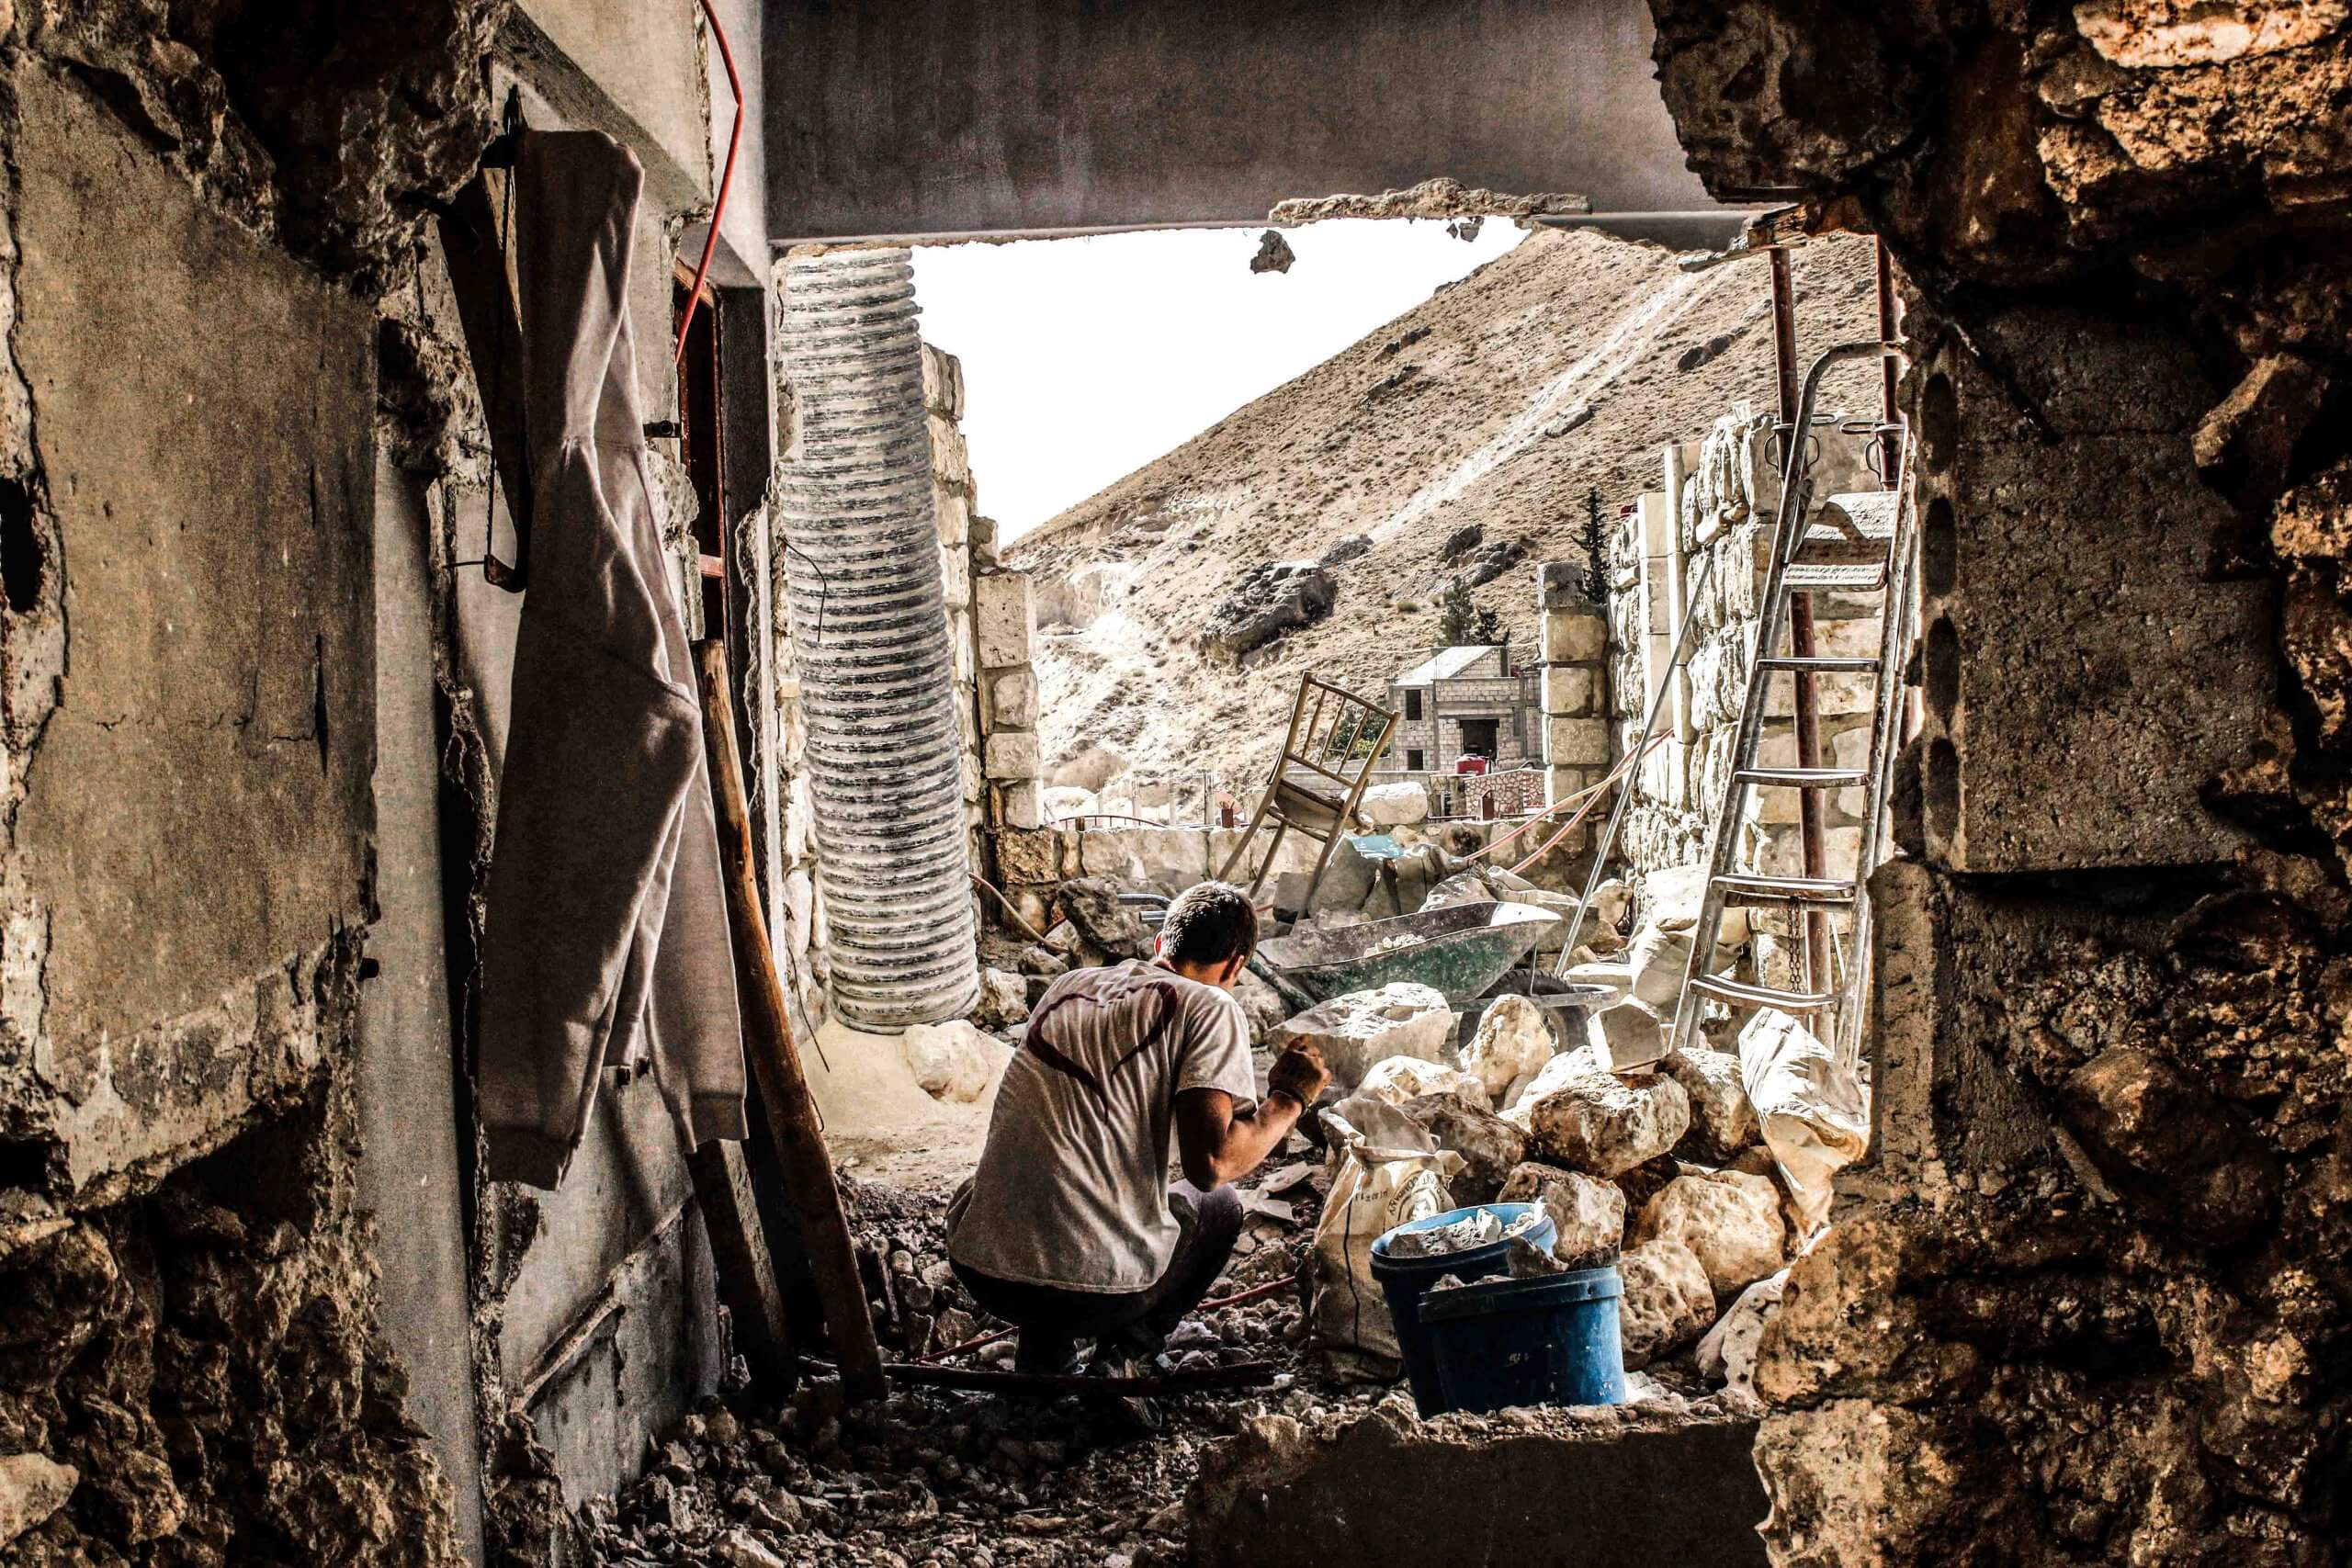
869, 628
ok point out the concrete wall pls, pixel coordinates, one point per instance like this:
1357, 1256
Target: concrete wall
957, 115
192, 732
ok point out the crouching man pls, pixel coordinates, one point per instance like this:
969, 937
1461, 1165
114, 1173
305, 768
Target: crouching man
1069, 1229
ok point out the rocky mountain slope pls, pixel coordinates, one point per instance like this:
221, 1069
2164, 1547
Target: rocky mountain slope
1563, 366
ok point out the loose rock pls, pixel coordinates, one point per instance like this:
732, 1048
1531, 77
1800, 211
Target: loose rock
1606, 1124
1668, 1303
1401, 1078
1588, 1213
1490, 1147
1358, 1030
1722, 1122
955, 1060
1513, 1041
1728, 1219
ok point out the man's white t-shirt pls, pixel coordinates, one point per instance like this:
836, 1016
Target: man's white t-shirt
1072, 1187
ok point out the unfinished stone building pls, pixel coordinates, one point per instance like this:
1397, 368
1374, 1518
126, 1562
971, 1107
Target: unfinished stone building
2086, 1301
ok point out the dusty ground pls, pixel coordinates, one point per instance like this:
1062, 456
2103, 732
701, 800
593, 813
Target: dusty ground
947, 1478
1562, 366
938, 1479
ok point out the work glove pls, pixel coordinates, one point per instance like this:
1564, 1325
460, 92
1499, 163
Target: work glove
1299, 1072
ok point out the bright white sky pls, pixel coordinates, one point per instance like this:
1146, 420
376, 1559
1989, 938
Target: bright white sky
1084, 360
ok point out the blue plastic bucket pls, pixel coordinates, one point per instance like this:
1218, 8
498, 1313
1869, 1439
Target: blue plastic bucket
1547, 1341
1403, 1281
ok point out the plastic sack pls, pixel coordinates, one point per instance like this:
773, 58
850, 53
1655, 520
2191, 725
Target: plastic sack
1387, 1170
1815, 1114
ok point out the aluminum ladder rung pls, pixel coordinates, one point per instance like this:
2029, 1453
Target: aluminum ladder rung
1746, 995
1749, 892
1822, 663
1803, 778
1803, 578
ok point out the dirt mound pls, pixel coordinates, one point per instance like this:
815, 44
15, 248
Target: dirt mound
1560, 368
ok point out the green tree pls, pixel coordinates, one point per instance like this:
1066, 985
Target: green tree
1461, 623
1594, 538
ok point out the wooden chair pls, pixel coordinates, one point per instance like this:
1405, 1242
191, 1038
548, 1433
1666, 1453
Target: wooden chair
1325, 762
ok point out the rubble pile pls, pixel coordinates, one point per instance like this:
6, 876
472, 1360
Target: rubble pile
935, 1478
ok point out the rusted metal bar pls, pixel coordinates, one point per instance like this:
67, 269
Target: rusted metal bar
1248, 1374
791, 1111
1810, 828
1887, 374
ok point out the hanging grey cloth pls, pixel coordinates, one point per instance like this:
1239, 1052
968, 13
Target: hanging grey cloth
605, 935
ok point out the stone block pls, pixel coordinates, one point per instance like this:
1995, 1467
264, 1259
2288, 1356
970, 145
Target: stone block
1024, 856
949, 462
955, 576
1358, 1030
961, 655
943, 383
1559, 585
1569, 688
1012, 754
1575, 742
1003, 612
1578, 636
954, 508
1011, 699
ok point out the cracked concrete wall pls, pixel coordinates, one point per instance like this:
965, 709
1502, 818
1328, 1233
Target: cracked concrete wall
2088, 1299
193, 1322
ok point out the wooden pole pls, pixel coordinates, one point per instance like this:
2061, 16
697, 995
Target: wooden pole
738, 1249
776, 1057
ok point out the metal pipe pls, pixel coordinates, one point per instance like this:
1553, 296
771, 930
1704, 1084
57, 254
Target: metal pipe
869, 627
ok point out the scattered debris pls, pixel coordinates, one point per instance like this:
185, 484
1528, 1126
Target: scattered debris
1275, 254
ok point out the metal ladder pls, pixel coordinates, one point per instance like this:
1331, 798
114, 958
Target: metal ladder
1861, 542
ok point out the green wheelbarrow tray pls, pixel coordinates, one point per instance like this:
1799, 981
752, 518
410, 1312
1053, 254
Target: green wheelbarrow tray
1461, 950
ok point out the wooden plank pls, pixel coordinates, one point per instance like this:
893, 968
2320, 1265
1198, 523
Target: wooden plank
774, 1056
738, 1249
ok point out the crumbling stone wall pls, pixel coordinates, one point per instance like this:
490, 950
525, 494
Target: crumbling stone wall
199, 205
1705, 545
2088, 1302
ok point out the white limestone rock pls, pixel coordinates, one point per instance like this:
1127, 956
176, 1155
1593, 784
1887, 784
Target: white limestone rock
1605, 1124
1356, 1031
1568, 1064
32, 1487
1396, 1079
1633, 1034
1490, 1147
1728, 1353
955, 1060
1729, 1220
1589, 1214
1512, 1044
1394, 805
1004, 999
1722, 1122
1666, 1303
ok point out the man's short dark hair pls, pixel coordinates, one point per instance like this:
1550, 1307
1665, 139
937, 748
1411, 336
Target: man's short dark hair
1209, 923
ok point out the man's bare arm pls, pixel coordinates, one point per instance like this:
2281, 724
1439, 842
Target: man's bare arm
1217, 1145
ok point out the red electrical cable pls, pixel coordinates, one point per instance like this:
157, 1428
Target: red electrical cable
725, 179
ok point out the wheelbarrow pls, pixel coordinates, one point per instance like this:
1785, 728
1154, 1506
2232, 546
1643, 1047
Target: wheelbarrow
1461, 950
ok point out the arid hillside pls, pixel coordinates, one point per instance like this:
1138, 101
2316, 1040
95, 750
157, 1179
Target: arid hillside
1559, 368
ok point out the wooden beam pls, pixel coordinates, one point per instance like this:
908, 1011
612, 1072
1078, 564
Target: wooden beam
791, 1111
738, 1249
